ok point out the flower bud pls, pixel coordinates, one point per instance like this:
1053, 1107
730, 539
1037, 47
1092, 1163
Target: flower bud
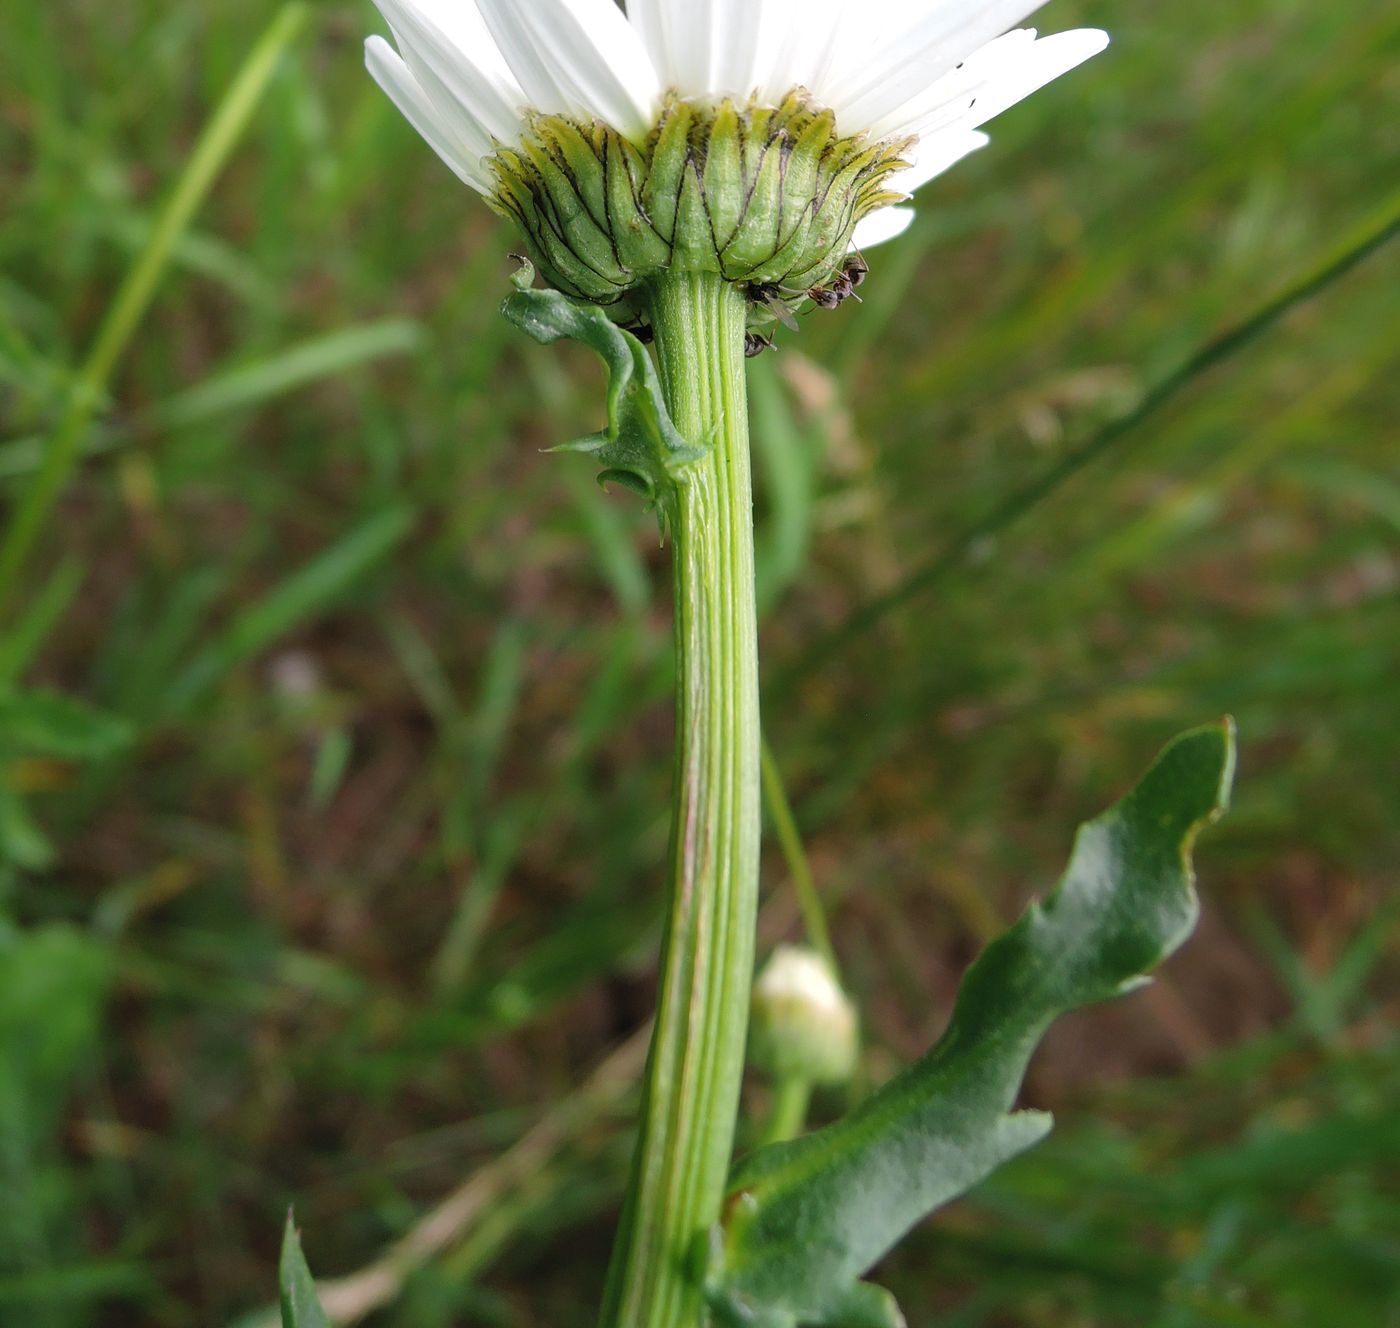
803, 1025
764, 196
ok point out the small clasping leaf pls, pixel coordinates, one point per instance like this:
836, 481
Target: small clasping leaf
641, 449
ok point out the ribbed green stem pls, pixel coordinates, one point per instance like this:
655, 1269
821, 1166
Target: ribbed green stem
693, 1075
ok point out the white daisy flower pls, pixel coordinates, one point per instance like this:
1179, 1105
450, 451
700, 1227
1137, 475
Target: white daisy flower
757, 138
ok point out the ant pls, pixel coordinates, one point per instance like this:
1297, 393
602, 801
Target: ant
771, 296
853, 273
774, 298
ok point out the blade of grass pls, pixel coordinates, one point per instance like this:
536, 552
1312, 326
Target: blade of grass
326, 577
300, 1308
20, 646
1191, 504
1367, 488
349, 1299
243, 388
790, 840
137, 291
787, 454
1365, 239
1357, 59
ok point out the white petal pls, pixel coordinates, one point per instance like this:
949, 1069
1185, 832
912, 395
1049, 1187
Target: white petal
873, 81
828, 48
990, 82
689, 41
452, 55
734, 48
460, 25
648, 21
580, 57
881, 226
950, 98
934, 155
1046, 61
757, 48
802, 39
394, 76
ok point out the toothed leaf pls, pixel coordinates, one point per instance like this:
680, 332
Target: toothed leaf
806, 1219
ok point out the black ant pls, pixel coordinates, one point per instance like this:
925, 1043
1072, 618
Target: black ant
755, 343
843, 287
774, 297
771, 296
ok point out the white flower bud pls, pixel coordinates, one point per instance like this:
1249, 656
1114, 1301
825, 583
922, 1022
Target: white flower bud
803, 1025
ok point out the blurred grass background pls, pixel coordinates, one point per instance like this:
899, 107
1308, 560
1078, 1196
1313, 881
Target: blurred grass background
334, 716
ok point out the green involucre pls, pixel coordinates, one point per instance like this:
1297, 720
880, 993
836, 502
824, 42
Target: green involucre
758, 194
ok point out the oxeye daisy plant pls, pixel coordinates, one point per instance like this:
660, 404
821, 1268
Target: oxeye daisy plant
687, 176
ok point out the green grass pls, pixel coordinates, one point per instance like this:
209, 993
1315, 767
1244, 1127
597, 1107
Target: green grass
340, 870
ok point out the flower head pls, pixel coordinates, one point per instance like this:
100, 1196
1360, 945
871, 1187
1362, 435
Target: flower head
803, 1025
757, 138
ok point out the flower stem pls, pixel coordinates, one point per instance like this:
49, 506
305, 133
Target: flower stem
791, 1099
691, 1095
790, 838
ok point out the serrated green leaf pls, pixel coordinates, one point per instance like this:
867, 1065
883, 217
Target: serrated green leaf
806, 1219
44, 723
641, 448
301, 1307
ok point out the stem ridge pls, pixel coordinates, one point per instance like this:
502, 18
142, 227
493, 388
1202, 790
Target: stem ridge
694, 1070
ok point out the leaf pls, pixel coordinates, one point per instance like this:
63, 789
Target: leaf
301, 1307
54, 985
641, 449
54, 982
806, 1219
287, 369
24, 639
22, 843
249, 385
44, 723
309, 590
